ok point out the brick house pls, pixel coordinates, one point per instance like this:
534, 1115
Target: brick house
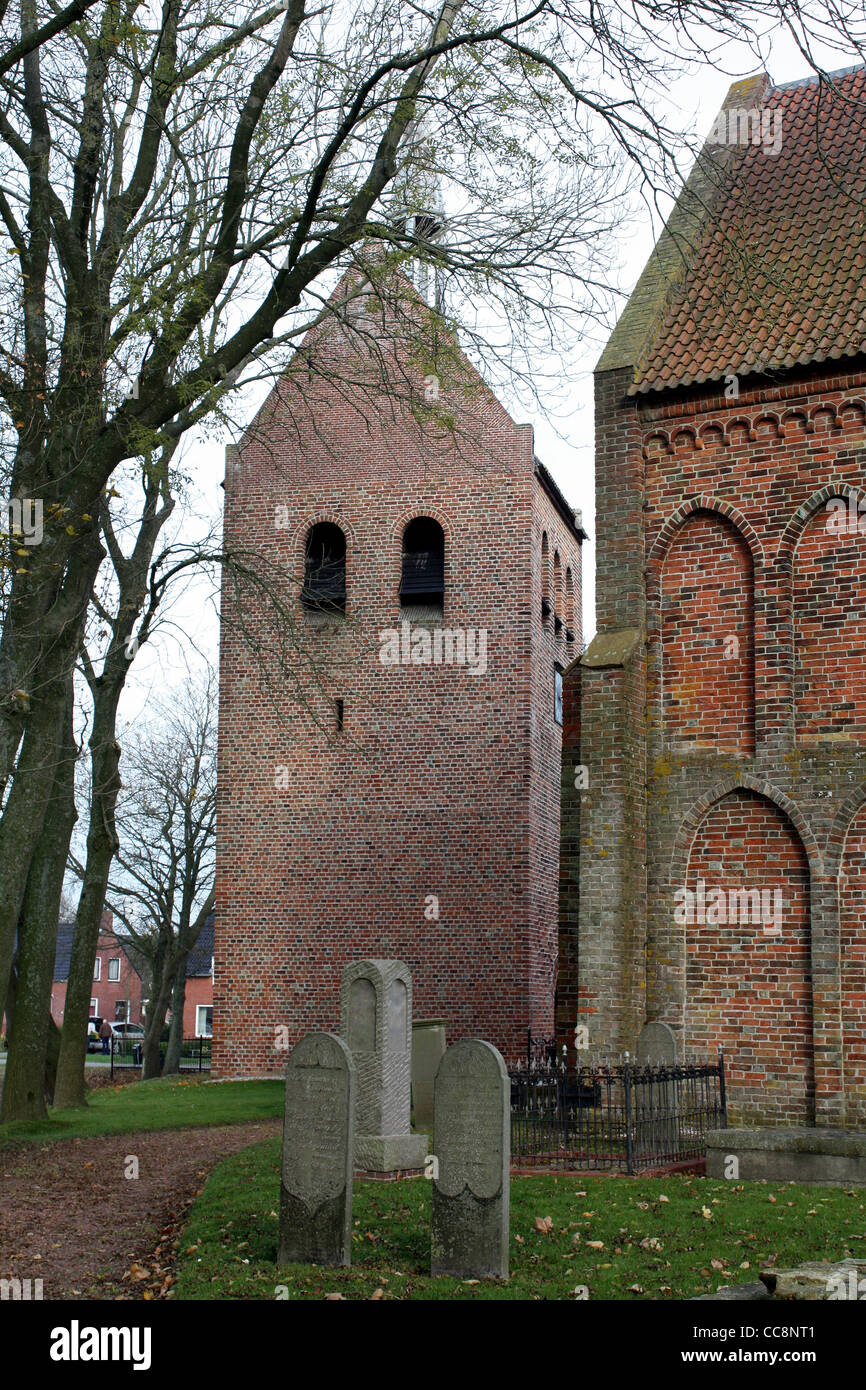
120, 984
714, 869
117, 986
198, 999
395, 789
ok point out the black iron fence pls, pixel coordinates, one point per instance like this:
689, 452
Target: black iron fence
625, 1116
126, 1054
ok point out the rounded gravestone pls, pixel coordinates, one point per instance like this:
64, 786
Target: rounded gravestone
318, 1139
472, 1124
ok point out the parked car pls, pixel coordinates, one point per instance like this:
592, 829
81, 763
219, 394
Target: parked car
128, 1030
118, 1030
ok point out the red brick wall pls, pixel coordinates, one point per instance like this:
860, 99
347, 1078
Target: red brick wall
707, 671
829, 631
746, 987
852, 953
755, 472
199, 990
331, 845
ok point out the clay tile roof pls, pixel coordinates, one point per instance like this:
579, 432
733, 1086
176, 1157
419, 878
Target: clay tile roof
774, 277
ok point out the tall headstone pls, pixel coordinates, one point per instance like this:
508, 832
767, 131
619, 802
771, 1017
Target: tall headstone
656, 1108
657, 1042
316, 1186
428, 1049
472, 1099
376, 1023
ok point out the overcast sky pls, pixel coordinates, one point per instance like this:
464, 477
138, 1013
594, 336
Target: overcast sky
564, 443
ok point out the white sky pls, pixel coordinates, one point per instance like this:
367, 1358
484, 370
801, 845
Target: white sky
565, 443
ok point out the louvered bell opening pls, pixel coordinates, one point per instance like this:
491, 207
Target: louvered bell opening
423, 577
325, 570
423, 572
557, 624
545, 608
569, 635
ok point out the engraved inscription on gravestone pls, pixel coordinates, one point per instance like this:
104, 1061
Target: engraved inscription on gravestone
398, 1020
473, 1145
376, 1013
361, 1030
656, 1109
318, 1131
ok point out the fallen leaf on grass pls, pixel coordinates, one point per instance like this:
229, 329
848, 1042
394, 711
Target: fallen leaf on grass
595, 1244
377, 1294
544, 1224
335, 1297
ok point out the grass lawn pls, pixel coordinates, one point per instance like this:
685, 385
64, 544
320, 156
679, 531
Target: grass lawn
157, 1104
661, 1238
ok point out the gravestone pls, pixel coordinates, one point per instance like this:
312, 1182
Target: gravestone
428, 1049
376, 1023
657, 1043
472, 1108
657, 1128
316, 1186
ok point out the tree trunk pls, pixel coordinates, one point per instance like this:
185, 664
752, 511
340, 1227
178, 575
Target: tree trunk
175, 1037
21, 827
101, 847
160, 995
24, 1089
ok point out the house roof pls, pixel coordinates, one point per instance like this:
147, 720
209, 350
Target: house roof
762, 265
198, 961
201, 956
572, 518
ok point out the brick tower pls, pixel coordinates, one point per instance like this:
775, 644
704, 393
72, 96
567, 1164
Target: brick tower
389, 740
714, 870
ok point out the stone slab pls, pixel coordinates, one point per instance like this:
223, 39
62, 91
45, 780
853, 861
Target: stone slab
317, 1169
798, 1154
380, 1153
428, 1049
472, 1123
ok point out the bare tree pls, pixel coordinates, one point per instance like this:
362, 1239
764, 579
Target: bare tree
162, 886
180, 187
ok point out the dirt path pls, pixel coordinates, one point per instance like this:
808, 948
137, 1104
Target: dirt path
70, 1216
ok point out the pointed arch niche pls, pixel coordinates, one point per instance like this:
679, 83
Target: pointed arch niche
828, 587
852, 966
748, 971
704, 634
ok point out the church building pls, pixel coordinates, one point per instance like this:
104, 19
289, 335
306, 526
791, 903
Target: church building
713, 872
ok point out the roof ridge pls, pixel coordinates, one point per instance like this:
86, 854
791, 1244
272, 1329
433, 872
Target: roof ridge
817, 76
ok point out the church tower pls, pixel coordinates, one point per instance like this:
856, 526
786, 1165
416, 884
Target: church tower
390, 725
